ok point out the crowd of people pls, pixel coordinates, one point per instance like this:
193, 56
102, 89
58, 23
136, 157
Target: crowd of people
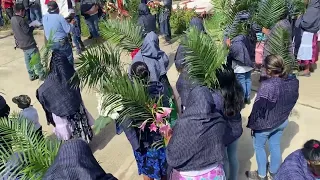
202, 143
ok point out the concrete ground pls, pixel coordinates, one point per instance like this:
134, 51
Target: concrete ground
114, 151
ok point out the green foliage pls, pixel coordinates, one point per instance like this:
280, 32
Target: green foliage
125, 34
180, 19
270, 12
101, 123
44, 56
298, 7
132, 7
119, 91
97, 64
241, 28
203, 57
215, 25
84, 28
280, 44
24, 152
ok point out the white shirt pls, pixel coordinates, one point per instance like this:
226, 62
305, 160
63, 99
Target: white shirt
31, 114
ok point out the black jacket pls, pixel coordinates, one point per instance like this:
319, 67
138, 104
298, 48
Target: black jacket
22, 33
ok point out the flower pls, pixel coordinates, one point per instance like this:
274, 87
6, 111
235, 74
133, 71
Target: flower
154, 106
159, 117
165, 129
143, 125
153, 127
166, 111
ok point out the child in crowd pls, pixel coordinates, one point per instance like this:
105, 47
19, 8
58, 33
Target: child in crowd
28, 111
76, 32
241, 58
302, 164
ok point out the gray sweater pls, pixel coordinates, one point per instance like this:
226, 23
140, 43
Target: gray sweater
22, 33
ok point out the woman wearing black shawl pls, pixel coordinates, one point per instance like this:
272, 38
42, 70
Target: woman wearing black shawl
184, 84
308, 24
229, 102
62, 102
151, 161
146, 20
196, 148
76, 161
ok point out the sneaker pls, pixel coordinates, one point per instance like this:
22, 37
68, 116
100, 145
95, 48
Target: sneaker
34, 77
247, 101
253, 175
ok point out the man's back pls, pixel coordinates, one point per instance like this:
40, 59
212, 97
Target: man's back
22, 33
57, 25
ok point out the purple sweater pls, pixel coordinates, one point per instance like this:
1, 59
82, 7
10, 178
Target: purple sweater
294, 167
274, 102
234, 124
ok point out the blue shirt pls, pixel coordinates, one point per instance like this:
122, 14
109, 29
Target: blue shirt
56, 24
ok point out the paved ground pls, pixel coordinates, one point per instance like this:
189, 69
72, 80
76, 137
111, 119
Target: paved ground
114, 152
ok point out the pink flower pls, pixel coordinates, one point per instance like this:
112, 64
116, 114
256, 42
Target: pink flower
153, 127
165, 129
159, 117
143, 125
154, 106
166, 111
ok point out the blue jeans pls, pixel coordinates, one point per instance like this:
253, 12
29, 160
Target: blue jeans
245, 81
259, 141
77, 41
93, 26
1, 17
77, 17
35, 14
231, 164
164, 19
64, 47
37, 69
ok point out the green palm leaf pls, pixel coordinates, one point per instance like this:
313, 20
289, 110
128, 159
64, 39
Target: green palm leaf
203, 57
270, 12
24, 152
129, 95
280, 44
44, 55
124, 34
97, 64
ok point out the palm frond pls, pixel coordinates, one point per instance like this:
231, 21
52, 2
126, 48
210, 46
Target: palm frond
124, 34
43, 57
203, 57
280, 44
97, 64
130, 95
270, 12
23, 152
215, 25
297, 7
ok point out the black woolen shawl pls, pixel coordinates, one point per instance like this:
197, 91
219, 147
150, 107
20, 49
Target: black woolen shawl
197, 140
57, 94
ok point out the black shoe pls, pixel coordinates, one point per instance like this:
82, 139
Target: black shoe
247, 101
34, 77
253, 175
90, 37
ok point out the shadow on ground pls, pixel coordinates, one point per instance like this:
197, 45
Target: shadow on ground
101, 140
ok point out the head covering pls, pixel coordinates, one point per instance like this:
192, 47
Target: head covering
23, 101
4, 108
150, 53
241, 52
76, 161
197, 140
197, 23
310, 20
57, 94
146, 20
3, 102
52, 7
294, 167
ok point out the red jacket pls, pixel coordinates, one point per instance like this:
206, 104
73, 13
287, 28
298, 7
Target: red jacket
7, 4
